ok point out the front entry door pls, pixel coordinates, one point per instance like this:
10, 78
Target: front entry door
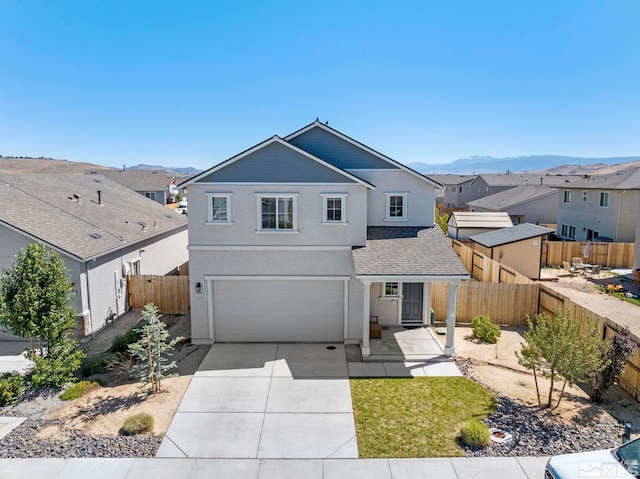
412, 302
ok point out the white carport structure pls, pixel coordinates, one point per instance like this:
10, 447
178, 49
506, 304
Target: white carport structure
408, 256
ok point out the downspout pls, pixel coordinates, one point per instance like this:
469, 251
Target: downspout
86, 274
618, 215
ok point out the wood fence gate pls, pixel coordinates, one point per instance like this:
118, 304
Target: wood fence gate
170, 294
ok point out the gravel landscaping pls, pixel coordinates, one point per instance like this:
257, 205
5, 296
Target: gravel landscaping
535, 433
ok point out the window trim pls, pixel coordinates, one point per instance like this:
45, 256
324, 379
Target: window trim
603, 195
384, 290
405, 196
566, 197
148, 194
325, 208
277, 196
210, 220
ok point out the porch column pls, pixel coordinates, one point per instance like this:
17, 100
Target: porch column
366, 307
449, 348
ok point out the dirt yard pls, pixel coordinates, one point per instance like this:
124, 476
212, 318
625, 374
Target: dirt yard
496, 366
103, 410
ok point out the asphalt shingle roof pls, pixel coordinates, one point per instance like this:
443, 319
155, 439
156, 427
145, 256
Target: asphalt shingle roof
450, 179
407, 251
510, 235
513, 197
515, 179
138, 180
622, 180
63, 211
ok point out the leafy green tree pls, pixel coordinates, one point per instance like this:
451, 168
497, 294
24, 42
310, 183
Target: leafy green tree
35, 304
442, 220
152, 349
561, 349
621, 347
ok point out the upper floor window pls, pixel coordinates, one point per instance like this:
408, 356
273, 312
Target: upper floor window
277, 212
459, 189
477, 190
150, 194
396, 204
584, 196
454, 189
334, 208
567, 196
604, 199
219, 208
486, 190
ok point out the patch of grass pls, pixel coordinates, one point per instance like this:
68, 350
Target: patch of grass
137, 424
415, 417
79, 390
474, 433
624, 298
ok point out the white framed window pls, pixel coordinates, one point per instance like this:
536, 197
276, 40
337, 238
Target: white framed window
564, 231
584, 196
567, 196
150, 194
396, 205
334, 208
604, 199
477, 190
390, 290
486, 190
572, 232
454, 189
277, 212
219, 208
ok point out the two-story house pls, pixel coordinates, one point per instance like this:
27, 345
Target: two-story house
457, 190
304, 238
152, 184
600, 206
525, 204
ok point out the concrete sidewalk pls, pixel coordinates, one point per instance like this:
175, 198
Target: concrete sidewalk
162, 468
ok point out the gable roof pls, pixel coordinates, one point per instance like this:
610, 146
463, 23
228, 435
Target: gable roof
513, 197
622, 180
63, 212
451, 179
260, 168
480, 219
334, 153
136, 180
504, 236
515, 179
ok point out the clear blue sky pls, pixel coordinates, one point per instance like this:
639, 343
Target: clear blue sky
193, 83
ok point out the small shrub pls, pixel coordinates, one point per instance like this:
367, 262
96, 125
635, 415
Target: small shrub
120, 344
485, 330
79, 390
137, 424
96, 365
11, 387
475, 434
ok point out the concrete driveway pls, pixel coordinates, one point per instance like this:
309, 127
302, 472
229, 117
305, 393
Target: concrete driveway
266, 401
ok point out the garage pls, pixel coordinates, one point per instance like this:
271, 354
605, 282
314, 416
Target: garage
277, 310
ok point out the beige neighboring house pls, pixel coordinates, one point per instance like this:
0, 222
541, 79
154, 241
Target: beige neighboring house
519, 247
463, 224
457, 190
102, 230
152, 184
524, 204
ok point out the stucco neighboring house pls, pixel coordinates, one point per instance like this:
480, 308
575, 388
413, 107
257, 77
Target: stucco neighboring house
488, 184
463, 224
524, 203
600, 206
304, 238
102, 230
152, 184
457, 190
519, 247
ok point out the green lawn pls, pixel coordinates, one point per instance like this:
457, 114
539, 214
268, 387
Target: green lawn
415, 417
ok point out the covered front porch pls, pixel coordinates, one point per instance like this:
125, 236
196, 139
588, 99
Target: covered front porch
397, 268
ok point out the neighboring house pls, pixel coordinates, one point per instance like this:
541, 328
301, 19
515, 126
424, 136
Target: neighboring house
600, 206
489, 183
102, 230
457, 190
463, 224
519, 247
153, 184
525, 204
304, 238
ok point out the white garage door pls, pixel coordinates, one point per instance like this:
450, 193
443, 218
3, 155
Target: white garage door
278, 310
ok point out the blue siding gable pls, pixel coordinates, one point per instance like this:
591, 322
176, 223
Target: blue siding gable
275, 163
337, 151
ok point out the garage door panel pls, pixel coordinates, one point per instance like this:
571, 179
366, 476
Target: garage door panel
278, 310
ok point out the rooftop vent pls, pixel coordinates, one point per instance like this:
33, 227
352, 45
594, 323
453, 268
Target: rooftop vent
95, 235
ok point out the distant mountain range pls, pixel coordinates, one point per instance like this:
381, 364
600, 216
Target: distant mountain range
171, 169
489, 164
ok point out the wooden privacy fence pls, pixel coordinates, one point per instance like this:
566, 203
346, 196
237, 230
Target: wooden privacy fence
610, 255
169, 293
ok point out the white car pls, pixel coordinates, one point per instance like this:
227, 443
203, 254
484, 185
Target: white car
618, 463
